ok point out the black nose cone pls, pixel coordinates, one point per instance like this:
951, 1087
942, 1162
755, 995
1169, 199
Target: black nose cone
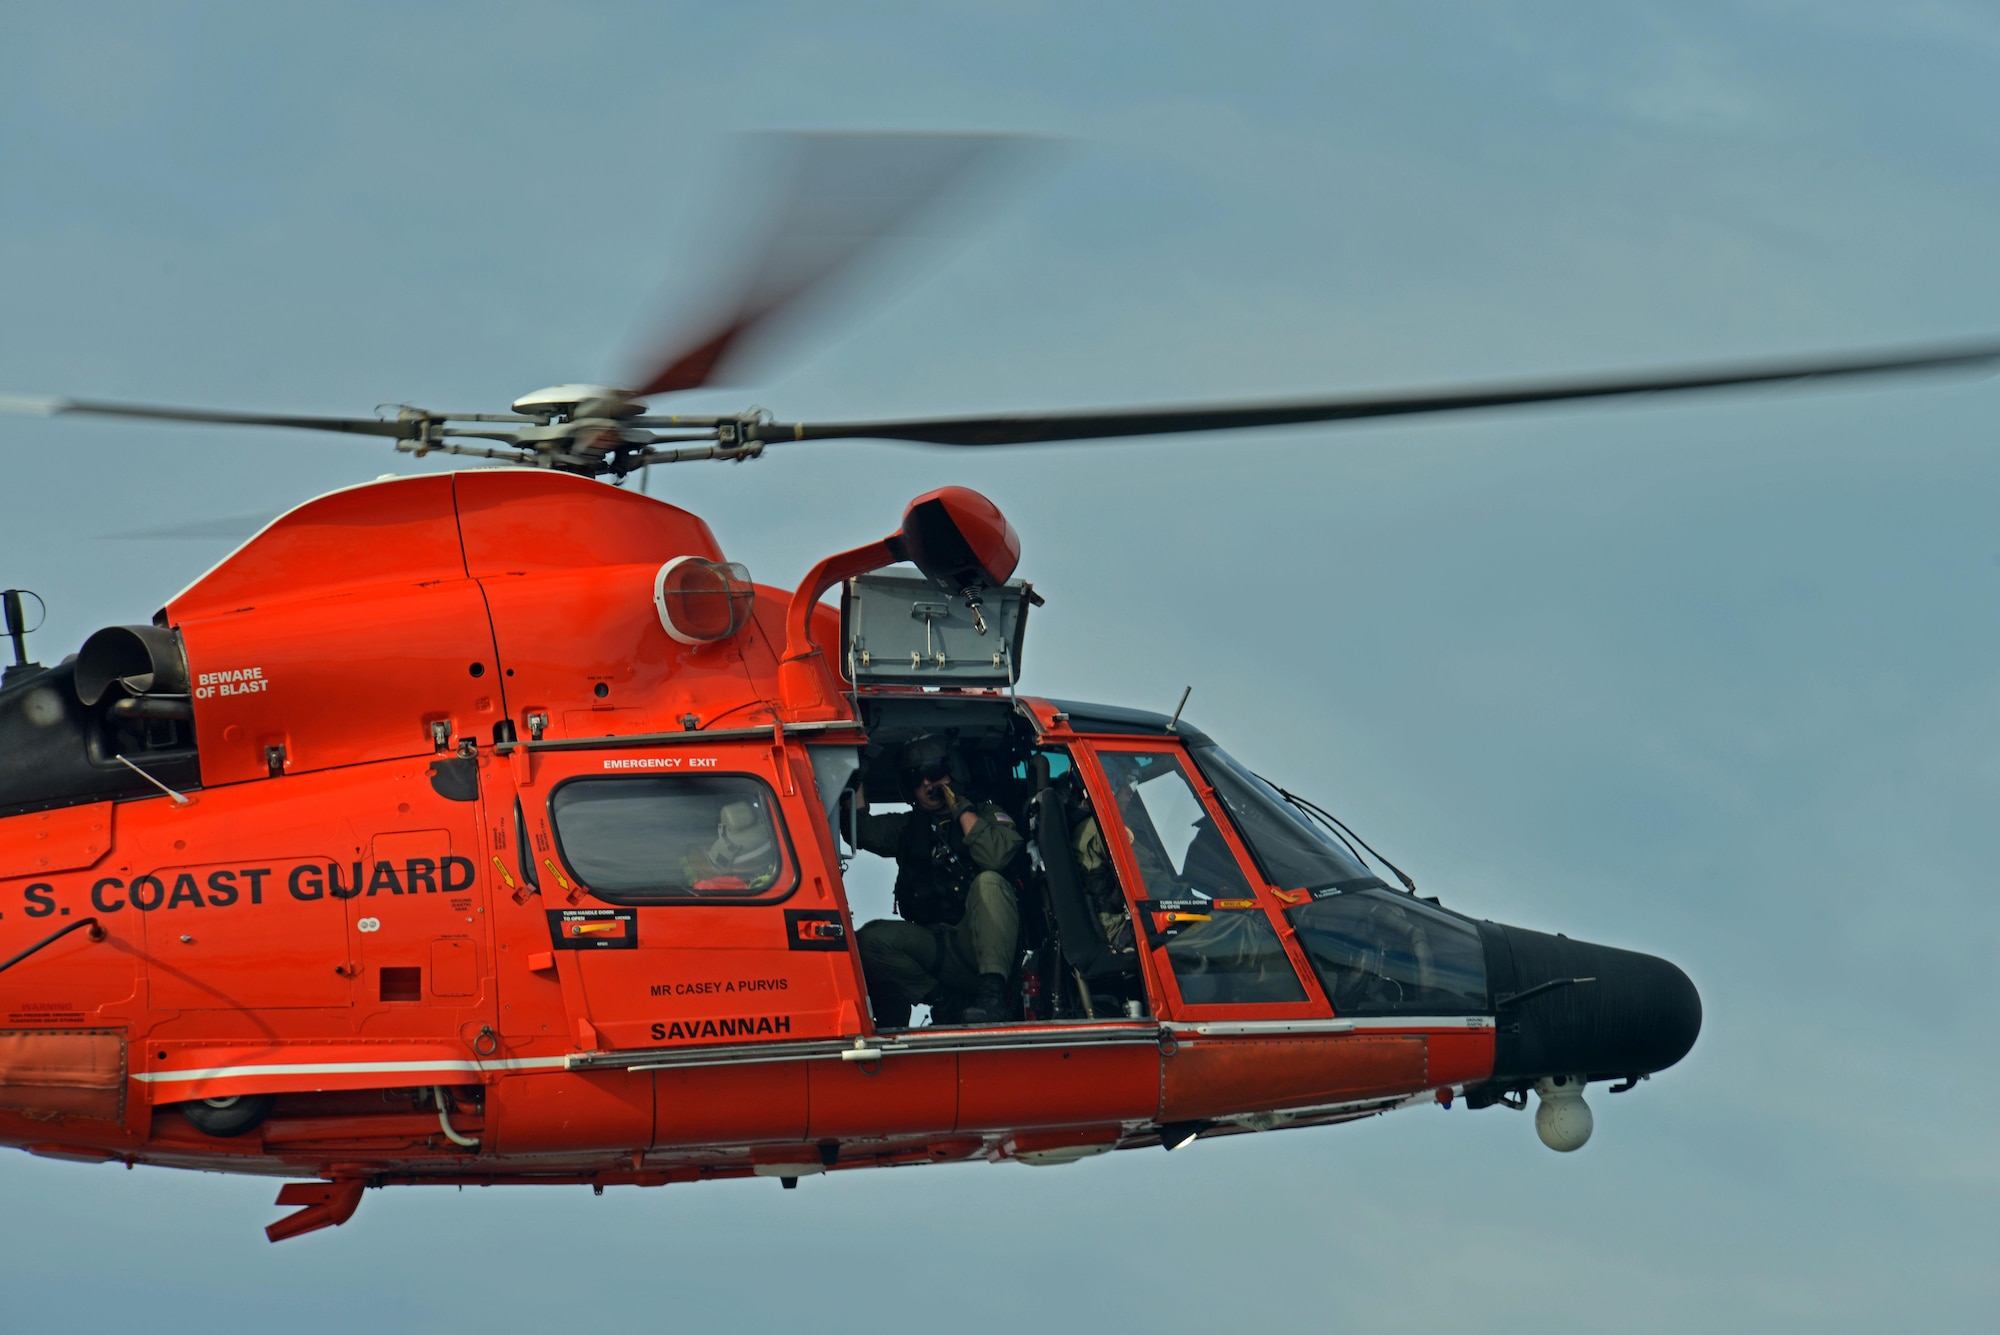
1640, 1015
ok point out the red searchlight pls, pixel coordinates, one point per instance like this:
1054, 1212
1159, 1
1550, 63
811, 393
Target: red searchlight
959, 539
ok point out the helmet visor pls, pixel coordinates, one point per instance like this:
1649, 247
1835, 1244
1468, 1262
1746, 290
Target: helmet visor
926, 770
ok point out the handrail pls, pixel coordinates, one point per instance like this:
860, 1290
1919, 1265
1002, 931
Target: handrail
96, 934
695, 738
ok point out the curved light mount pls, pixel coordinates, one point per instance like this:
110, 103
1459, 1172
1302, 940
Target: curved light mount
957, 537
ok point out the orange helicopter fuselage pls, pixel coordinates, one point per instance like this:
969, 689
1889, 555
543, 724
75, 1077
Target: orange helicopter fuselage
362, 912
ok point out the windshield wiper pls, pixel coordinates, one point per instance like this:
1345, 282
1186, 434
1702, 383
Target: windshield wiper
1340, 831
1351, 883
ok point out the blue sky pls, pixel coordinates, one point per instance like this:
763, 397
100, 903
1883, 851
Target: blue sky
1710, 679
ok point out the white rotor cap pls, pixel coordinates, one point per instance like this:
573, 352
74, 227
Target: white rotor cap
1562, 1118
562, 398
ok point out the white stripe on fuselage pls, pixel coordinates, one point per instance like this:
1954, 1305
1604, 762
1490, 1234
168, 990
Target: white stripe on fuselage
350, 1068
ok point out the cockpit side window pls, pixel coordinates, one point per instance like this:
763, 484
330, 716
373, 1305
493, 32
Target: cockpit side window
670, 839
1198, 906
1180, 853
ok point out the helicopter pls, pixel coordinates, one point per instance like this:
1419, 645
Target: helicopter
390, 851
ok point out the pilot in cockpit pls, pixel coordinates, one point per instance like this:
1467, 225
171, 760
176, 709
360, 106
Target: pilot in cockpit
1097, 873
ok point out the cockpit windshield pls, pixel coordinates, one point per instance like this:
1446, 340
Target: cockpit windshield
1291, 851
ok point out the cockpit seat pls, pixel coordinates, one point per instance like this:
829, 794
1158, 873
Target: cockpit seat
1078, 928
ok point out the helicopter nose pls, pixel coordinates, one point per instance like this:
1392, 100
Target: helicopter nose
1636, 1014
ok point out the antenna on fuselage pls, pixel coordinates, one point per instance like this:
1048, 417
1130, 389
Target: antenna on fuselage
1174, 723
18, 629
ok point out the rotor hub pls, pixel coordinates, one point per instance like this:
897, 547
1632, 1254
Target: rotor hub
578, 400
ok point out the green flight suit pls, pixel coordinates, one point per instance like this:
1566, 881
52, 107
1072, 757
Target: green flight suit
1100, 883
960, 915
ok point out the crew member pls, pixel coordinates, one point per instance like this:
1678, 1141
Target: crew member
954, 949
744, 855
1099, 876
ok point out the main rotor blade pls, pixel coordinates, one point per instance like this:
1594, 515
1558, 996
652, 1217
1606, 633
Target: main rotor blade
839, 197
1037, 428
360, 426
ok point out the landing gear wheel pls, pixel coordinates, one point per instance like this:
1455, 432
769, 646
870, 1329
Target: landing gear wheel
232, 1116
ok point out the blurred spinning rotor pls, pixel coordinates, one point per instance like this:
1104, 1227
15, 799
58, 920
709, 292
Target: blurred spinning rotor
835, 204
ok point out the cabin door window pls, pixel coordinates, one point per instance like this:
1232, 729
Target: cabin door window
659, 839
